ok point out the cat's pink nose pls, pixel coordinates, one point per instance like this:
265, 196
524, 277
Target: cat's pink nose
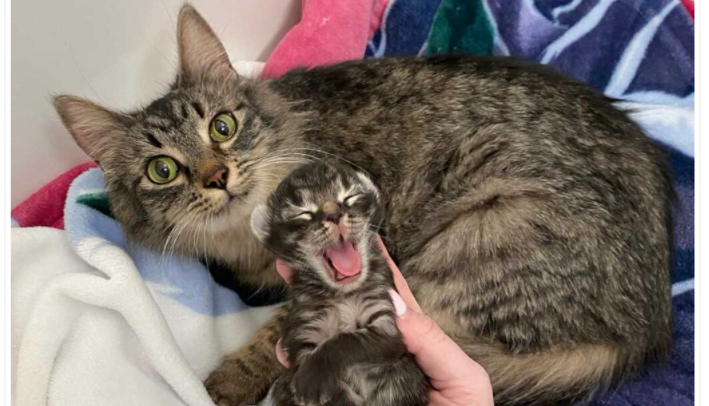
217, 178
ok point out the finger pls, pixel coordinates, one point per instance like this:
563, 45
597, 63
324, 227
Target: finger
440, 358
401, 285
453, 375
281, 354
460, 396
284, 270
448, 367
436, 353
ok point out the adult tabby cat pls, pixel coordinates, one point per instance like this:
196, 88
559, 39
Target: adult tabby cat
529, 216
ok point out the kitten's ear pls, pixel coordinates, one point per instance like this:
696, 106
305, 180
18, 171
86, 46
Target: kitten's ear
201, 52
91, 125
259, 222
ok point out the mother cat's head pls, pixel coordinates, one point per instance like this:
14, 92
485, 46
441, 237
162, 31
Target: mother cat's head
196, 160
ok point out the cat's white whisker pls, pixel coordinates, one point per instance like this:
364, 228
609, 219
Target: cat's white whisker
334, 156
190, 220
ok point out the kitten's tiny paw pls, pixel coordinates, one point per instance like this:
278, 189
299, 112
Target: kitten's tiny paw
229, 388
312, 385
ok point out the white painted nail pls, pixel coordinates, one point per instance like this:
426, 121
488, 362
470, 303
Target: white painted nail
399, 304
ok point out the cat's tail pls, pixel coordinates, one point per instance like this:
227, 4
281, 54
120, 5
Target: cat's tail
553, 376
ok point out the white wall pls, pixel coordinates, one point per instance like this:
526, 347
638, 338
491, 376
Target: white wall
119, 52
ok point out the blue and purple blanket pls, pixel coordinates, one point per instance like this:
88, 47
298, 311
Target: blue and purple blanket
638, 51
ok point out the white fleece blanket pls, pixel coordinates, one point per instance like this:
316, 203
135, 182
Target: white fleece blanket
97, 321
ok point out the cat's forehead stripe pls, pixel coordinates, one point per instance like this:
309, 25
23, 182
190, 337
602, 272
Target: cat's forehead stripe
152, 139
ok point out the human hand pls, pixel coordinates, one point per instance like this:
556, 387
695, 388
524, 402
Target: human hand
456, 380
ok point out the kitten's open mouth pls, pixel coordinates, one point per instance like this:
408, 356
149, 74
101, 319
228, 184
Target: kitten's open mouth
343, 262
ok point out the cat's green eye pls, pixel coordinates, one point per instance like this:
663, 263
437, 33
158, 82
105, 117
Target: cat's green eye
162, 169
223, 127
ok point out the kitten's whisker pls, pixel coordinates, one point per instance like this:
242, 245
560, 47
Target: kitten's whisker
374, 226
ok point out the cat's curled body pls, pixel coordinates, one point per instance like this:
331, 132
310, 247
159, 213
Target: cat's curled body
340, 331
529, 215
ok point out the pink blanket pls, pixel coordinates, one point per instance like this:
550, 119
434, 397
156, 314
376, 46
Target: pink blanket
329, 32
45, 208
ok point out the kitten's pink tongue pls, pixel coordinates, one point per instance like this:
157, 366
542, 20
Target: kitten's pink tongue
345, 259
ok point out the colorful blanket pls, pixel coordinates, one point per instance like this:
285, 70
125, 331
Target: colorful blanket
637, 51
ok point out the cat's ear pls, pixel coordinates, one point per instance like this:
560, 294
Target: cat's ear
259, 222
92, 126
201, 52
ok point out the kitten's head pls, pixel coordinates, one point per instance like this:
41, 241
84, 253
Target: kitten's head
198, 159
321, 219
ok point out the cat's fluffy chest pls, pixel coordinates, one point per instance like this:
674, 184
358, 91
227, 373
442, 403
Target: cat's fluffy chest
245, 255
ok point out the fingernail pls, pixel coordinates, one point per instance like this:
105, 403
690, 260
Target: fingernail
399, 304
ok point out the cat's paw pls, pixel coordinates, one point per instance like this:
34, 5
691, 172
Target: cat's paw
314, 385
229, 387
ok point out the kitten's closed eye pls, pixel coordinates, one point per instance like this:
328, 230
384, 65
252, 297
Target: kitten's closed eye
350, 200
306, 215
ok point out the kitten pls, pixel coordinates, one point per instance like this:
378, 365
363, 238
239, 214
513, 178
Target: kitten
529, 216
340, 333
